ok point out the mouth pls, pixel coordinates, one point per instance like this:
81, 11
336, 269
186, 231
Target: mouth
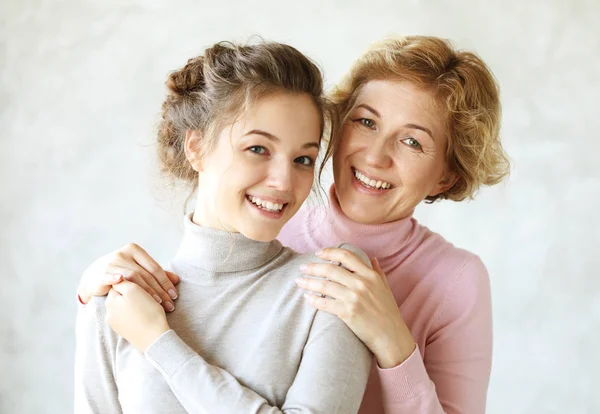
371, 183
272, 208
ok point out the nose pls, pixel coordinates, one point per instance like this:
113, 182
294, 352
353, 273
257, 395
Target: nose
378, 153
280, 175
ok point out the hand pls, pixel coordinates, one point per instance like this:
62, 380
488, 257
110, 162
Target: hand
131, 263
135, 315
361, 297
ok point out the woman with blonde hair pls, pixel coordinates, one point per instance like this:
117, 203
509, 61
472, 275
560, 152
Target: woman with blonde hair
421, 122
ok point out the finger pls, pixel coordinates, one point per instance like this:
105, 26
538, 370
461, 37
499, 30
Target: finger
325, 304
146, 281
122, 288
112, 278
174, 278
330, 271
379, 271
152, 267
112, 295
154, 284
132, 275
323, 287
346, 258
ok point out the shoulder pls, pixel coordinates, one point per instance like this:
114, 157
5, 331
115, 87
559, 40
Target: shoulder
94, 309
295, 232
312, 257
468, 293
459, 276
444, 257
353, 249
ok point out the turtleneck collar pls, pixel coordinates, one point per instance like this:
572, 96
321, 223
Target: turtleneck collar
377, 240
219, 251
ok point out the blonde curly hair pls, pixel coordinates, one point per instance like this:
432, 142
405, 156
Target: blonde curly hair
461, 83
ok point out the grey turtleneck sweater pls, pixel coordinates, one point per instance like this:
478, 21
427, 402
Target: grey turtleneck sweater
243, 340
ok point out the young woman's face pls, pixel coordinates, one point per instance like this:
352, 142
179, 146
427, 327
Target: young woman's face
391, 153
262, 167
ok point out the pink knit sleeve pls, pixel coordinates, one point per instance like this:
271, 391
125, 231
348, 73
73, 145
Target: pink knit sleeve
454, 374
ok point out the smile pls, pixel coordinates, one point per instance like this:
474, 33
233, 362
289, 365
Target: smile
370, 182
266, 205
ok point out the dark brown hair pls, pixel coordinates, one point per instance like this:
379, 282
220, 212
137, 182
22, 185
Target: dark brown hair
211, 90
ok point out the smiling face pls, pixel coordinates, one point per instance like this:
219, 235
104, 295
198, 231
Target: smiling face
261, 169
391, 153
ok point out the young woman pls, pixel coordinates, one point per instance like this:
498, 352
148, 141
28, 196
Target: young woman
421, 122
244, 125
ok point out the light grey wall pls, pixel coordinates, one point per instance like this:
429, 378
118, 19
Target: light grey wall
81, 83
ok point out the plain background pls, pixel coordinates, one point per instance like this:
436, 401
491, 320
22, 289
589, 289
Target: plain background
81, 84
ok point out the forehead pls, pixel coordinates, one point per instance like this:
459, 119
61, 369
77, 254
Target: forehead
294, 114
401, 100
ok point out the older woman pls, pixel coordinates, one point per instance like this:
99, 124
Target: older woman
421, 122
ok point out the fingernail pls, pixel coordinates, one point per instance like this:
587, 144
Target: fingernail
170, 307
172, 293
117, 277
301, 281
157, 298
303, 268
319, 252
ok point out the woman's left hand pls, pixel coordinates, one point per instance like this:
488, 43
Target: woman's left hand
361, 297
132, 313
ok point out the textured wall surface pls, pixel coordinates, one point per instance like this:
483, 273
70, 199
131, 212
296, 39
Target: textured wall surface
81, 83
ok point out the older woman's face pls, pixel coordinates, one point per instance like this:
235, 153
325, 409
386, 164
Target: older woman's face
391, 154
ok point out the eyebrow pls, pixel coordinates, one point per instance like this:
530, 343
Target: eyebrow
368, 108
275, 139
422, 128
412, 126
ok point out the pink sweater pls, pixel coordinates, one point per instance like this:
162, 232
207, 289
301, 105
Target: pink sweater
443, 293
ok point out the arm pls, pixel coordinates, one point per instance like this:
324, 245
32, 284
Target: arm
455, 374
331, 378
95, 386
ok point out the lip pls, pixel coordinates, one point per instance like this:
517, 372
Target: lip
264, 213
372, 177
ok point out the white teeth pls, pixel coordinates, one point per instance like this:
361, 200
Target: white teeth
371, 183
266, 205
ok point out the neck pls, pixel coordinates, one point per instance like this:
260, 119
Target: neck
377, 240
218, 251
204, 216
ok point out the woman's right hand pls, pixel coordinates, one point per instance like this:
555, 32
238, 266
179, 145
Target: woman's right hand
134, 264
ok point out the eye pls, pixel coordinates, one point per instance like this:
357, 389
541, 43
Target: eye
411, 142
369, 123
304, 160
257, 149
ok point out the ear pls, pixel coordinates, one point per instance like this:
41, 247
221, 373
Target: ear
447, 182
193, 149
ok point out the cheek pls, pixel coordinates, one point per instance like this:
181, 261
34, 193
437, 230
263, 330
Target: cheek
304, 182
348, 143
350, 140
419, 174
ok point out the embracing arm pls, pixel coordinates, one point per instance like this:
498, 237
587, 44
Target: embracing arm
455, 374
331, 378
95, 386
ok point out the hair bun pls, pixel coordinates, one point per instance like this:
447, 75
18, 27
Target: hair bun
188, 79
